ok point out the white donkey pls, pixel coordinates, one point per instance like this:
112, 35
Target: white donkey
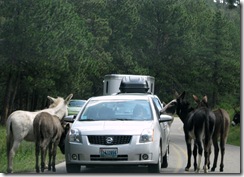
20, 125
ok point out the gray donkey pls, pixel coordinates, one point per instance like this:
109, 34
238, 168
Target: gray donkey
49, 131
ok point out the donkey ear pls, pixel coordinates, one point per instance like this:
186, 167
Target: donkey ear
196, 99
205, 99
182, 95
52, 100
68, 98
176, 94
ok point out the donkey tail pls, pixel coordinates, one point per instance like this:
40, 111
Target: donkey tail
36, 129
207, 129
9, 136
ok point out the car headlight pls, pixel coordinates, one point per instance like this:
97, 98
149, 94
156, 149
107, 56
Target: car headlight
75, 136
146, 136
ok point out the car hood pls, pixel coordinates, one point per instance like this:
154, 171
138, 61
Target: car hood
112, 127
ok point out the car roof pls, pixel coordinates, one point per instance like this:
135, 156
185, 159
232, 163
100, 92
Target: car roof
140, 96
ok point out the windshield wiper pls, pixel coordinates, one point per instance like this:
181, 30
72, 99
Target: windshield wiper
87, 119
123, 119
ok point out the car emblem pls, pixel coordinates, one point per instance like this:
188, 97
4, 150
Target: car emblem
109, 140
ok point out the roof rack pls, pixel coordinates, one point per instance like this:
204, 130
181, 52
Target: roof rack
133, 84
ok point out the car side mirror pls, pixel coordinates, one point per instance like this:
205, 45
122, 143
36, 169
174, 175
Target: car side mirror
165, 118
70, 118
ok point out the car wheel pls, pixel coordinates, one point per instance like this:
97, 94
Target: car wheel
155, 168
72, 168
165, 159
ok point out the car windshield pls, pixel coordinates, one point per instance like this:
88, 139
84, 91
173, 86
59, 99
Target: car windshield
117, 110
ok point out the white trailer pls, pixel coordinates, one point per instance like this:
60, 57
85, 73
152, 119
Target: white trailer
111, 82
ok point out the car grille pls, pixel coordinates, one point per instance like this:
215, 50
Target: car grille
118, 158
109, 140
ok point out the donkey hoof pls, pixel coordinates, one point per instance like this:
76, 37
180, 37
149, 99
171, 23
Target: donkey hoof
197, 170
9, 171
221, 168
37, 170
187, 169
205, 170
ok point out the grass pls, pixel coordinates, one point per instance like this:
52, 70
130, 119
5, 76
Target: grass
24, 160
234, 136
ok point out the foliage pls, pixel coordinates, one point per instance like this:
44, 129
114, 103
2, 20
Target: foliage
234, 136
61, 46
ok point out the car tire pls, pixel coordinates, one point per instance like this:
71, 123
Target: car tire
165, 159
156, 168
72, 168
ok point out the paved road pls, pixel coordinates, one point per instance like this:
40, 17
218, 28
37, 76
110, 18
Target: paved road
177, 158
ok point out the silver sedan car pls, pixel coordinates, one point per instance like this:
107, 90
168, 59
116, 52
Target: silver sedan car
123, 129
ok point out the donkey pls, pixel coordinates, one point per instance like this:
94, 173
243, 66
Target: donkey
49, 132
20, 125
198, 124
236, 118
222, 124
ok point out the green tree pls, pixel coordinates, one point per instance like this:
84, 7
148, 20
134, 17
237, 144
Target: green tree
39, 38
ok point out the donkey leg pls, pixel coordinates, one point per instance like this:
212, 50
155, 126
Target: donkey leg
210, 151
188, 145
49, 156
222, 146
54, 152
206, 156
43, 156
37, 150
195, 156
200, 150
216, 154
11, 155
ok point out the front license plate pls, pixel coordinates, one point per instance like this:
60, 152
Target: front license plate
108, 152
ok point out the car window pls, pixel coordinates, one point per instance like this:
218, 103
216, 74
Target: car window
157, 103
76, 103
117, 110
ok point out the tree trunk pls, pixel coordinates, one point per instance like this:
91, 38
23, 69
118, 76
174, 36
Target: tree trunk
10, 92
7, 99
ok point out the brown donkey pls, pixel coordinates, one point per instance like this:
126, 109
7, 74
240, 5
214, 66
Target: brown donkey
49, 131
222, 124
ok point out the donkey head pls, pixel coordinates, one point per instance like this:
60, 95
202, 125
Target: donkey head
179, 106
66, 128
236, 119
60, 105
203, 103
183, 106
